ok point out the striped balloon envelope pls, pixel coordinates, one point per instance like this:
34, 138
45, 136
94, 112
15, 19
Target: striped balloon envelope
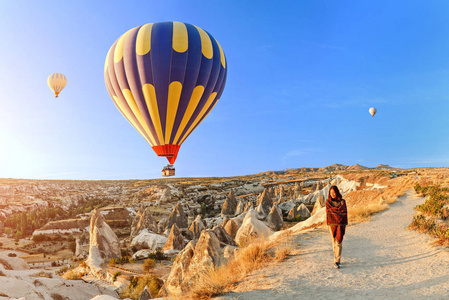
56, 82
165, 78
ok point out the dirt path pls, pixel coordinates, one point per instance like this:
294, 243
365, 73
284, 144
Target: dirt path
381, 260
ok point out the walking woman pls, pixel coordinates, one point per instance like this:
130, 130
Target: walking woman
337, 219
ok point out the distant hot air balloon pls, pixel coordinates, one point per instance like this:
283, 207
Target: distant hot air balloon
372, 111
56, 82
165, 78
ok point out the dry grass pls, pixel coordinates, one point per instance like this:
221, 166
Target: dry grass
252, 257
362, 204
362, 213
137, 285
282, 252
71, 275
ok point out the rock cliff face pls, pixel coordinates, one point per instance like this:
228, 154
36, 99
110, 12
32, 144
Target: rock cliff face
71, 226
104, 243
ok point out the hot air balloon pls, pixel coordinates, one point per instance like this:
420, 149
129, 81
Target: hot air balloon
372, 111
56, 82
165, 78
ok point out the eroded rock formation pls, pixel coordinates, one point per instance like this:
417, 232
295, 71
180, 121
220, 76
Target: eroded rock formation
104, 243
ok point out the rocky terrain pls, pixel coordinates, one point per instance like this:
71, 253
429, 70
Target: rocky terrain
106, 230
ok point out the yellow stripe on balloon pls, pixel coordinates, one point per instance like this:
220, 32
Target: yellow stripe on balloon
135, 109
193, 103
129, 118
198, 118
180, 37
143, 41
118, 53
206, 43
149, 94
106, 63
174, 94
222, 57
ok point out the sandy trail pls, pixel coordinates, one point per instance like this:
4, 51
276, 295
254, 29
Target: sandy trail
381, 259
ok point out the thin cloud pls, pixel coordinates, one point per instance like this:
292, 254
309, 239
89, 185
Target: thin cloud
423, 162
299, 152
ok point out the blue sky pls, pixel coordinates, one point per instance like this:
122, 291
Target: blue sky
301, 78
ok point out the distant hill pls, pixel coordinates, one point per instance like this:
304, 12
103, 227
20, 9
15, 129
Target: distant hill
334, 167
357, 167
331, 168
380, 166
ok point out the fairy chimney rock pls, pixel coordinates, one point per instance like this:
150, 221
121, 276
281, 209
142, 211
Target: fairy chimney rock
230, 205
197, 226
240, 208
265, 204
252, 229
177, 217
223, 236
197, 258
175, 239
225, 220
303, 211
104, 243
292, 213
144, 219
231, 228
319, 203
274, 219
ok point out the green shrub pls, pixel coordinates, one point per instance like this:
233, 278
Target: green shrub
148, 265
123, 260
116, 274
7, 230
435, 200
158, 255
112, 262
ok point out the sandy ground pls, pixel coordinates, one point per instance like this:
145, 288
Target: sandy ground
381, 260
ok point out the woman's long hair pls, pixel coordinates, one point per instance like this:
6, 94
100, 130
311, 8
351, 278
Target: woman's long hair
337, 193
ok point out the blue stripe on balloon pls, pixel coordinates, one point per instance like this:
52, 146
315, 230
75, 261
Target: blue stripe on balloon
209, 72
161, 48
132, 76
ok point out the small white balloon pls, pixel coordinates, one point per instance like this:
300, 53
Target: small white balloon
372, 111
